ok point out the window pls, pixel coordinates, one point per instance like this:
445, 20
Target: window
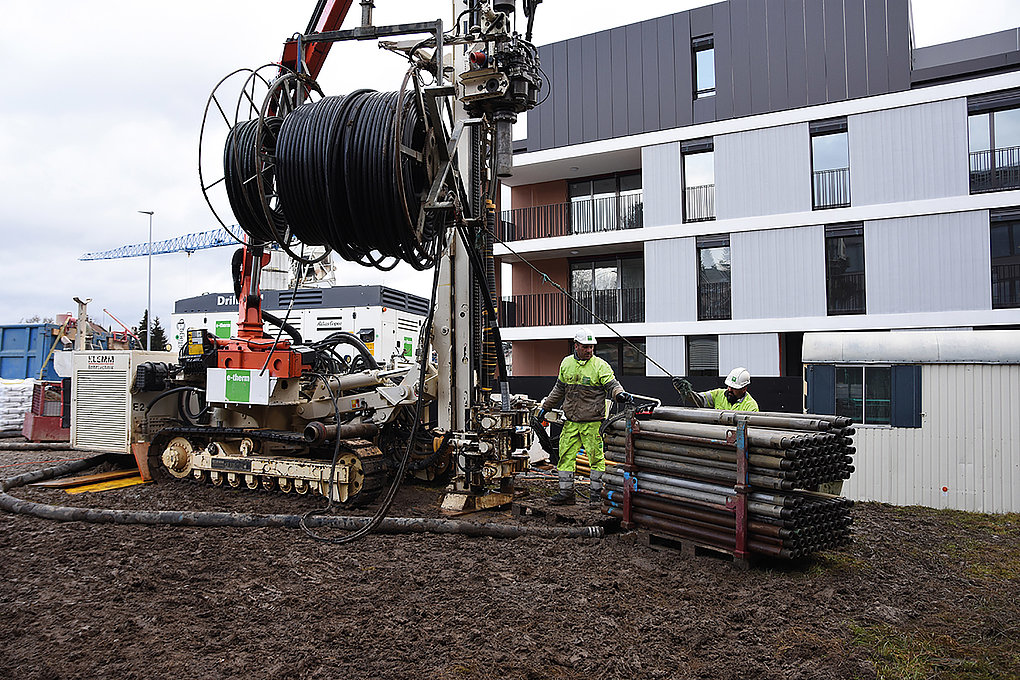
844, 269
698, 180
713, 277
612, 288
606, 203
704, 66
863, 393
1005, 247
994, 131
703, 355
622, 357
830, 164
873, 395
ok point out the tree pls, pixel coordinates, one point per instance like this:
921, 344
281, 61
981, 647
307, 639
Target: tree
38, 319
159, 339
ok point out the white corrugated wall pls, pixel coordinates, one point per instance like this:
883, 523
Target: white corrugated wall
671, 280
757, 352
763, 172
968, 443
931, 263
778, 273
909, 153
661, 184
669, 351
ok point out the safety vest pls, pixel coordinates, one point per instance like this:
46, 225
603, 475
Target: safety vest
718, 400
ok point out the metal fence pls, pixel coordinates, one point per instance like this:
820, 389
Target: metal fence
845, 293
699, 203
1005, 286
995, 169
555, 309
831, 188
580, 216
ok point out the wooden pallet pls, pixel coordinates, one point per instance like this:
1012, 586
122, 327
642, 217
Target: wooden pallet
581, 513
689, 548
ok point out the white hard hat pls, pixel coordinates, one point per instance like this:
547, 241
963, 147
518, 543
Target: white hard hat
738, 378
584, 336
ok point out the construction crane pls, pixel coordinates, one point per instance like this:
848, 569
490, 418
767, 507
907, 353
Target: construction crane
189, 243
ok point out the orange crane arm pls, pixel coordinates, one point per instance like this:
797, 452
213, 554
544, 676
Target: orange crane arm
328, 16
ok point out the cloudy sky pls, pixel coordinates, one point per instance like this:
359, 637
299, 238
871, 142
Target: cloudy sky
102, 108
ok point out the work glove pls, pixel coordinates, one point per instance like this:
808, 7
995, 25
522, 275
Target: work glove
541, 414
681, 385
625, 398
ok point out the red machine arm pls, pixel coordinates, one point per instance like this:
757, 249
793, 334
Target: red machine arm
328, 16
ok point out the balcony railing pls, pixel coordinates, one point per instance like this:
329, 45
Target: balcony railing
555, 309
1005, 286
699, 203
831, 188
845, 293
713, 300
580, 216
995, 170
626, 305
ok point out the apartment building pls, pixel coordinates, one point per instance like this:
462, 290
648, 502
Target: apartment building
718, 182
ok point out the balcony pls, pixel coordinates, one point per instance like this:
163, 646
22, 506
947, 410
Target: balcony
554, 309
713, 300
580, 216
1005, 286
831, 188
845, 293
699, 203
995, 170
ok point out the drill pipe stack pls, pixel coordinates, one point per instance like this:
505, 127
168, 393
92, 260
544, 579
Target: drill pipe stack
686, 470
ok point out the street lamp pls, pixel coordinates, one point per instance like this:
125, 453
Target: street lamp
148, 308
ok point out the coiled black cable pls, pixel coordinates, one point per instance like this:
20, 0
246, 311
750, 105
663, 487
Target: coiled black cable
243, 160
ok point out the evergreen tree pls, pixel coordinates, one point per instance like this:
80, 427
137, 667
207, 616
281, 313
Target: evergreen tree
159, 339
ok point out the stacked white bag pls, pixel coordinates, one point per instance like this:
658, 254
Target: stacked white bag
15, 402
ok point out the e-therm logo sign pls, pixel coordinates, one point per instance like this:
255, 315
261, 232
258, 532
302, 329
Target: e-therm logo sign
238, 387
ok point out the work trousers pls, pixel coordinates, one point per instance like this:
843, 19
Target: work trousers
575, 436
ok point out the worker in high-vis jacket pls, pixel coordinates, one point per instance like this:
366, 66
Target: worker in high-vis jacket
734, 397
584, 383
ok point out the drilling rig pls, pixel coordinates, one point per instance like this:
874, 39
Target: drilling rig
376, 178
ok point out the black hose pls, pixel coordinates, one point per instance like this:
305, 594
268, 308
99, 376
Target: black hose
392, 525
243, 161
283, 325
345, 338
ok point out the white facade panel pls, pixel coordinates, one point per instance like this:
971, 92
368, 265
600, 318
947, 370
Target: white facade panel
661, 184
763, 172
931, 263
909, 153
757, 352
671, 280
669, 351
778, 273
965, 455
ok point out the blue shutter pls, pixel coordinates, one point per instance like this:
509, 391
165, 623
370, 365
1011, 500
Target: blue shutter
821, 389
906, 396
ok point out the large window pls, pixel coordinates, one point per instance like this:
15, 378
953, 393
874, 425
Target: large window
703, 355
864, 393
698, 180
703, 50
622, 356
612, 288
606, 203
844, 269
994, 127
1005, 247
713, 277
830, 164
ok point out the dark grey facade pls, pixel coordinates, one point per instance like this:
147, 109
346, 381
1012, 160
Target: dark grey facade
319, 298
770, 55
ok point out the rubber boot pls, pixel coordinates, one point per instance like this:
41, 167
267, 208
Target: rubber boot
595, 498
566, 493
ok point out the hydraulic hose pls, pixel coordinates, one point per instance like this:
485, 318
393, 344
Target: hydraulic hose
392, 525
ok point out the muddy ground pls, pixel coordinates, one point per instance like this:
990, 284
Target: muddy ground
920, 594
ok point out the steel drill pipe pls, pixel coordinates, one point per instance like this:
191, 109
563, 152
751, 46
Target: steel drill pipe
703, 453
773, 439
711, 416
699, 471
766, 508
723, 517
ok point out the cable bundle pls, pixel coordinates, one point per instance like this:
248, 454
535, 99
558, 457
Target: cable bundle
344, 181
241, 169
